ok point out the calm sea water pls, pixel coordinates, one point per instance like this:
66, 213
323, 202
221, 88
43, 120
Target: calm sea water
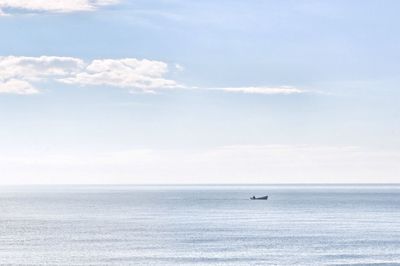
200, 225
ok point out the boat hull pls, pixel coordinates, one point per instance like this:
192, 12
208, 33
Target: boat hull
260, 198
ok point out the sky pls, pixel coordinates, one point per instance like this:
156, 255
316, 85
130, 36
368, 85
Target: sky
199, 92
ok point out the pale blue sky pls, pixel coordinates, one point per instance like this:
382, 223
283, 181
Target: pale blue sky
256, 92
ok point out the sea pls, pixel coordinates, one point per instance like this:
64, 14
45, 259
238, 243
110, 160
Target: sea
200, 225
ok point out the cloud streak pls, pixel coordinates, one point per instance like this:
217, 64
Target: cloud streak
125, 73
59, 6
15, 86
262, 90
24, 75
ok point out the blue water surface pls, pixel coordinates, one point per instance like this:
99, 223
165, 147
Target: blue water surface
200, 225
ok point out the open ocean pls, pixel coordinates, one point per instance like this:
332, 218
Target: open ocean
200, 225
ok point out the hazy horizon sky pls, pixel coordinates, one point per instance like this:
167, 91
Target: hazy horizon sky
174, 91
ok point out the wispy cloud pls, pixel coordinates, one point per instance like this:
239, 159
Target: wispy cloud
262, 90
125, 73
24, 75
58, 6
15, 86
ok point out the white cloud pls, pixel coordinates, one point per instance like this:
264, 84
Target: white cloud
262, 90
55, 6
17, 72
14, 86
37, 68
179, 67
20, 74
125, 73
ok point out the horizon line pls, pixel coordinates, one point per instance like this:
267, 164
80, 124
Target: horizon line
204, 184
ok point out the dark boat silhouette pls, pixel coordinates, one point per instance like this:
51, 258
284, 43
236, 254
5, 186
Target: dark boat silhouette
259, 198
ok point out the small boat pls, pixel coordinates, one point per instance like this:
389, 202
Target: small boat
260, 198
